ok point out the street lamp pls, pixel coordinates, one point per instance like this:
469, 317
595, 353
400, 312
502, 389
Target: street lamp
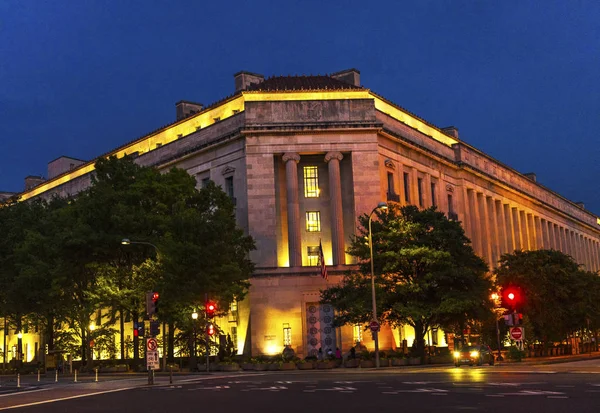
495, 298
383, 206
193, 352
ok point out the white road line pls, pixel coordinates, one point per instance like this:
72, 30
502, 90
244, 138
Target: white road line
79, 396
22, 392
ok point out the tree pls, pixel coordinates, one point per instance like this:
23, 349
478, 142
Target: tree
427, 274
557, 296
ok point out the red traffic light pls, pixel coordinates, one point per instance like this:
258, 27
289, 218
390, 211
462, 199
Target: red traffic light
511, 298
211, 308
210, 329
155, 296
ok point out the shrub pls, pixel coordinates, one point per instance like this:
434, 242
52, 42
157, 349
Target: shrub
515, 354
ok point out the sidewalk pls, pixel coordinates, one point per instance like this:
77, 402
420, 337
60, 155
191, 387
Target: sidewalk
554, 359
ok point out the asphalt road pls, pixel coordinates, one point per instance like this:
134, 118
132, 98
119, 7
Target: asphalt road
510, 388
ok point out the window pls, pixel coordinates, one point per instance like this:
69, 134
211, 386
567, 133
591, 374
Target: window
229, 186
406, 188
433, 198
234, 338
434, 336
313, 221
311, 182
390, 183
357, 333
450, 204
313, 256
287, 334
205, 182
420, 191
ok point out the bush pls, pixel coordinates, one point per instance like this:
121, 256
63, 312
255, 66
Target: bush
515, 354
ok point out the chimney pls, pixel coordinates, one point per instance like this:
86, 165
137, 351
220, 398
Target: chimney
580, 204
33, 181
185, 109
243, 80
351, 76
451, 130
531, 175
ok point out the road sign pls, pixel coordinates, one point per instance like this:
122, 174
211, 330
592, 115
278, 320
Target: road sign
374, 326
152, 362
517, 333
151, 344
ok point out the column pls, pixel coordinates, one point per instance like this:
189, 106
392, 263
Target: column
475, 223
510, 233
293, 209
501, 228
545, 236
337, 216
561, 235
568, 241
427, 191
517, 229
596, 257
485, 229
557, 238
539, 239
532, 233
551, 235
588, 258
414, 187
493, 230
462, 208
524, 231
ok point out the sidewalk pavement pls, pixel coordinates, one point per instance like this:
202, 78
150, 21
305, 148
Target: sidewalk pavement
554, 359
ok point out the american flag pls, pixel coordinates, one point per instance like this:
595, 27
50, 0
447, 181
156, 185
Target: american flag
321, 262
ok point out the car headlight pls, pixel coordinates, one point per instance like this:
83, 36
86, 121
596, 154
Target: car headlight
474, 354
457, 354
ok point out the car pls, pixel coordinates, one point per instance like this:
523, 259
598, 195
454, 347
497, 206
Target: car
474, 355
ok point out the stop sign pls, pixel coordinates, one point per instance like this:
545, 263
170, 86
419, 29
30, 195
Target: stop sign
516, 333
374, 326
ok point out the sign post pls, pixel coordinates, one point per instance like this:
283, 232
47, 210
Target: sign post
152, 361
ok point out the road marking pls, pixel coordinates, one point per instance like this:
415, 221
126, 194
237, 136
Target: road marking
564, 385
22, 392
557, 397
494, 395
79, 396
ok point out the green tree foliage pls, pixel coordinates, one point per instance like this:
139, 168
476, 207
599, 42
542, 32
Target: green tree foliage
557, 296
63, 260
427, 274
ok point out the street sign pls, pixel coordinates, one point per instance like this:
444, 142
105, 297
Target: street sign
374, 326
517, 333
152, 362
151, 344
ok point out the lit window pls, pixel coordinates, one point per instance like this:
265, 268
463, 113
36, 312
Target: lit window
357, 333
313, 256
313, 221
311, 182
287, 334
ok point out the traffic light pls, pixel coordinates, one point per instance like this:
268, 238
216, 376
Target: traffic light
210, 329
511, 298
138, 329
211, 308
151, 303
154, 328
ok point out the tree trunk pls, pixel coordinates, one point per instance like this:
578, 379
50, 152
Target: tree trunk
84, 345
171, 342
420, 340
50, 332
122, 331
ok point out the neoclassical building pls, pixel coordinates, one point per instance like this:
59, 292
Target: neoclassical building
303, 157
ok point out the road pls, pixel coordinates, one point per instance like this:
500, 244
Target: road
502, 388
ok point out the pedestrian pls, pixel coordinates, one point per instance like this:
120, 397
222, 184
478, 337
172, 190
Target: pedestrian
338, 353
352, 353
320, 354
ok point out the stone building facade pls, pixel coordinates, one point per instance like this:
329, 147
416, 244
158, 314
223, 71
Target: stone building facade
303, 157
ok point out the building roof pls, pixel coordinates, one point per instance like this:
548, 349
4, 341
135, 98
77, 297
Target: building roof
283, 83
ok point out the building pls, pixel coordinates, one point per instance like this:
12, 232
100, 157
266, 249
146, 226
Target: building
303, 157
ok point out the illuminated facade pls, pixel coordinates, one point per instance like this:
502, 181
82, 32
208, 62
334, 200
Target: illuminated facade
303, 157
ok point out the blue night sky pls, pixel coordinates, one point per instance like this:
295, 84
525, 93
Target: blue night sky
520, 79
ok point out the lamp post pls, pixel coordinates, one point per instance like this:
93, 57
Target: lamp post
19, 350
193, 352
495, 297
127, 241
381, 205
91, 343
